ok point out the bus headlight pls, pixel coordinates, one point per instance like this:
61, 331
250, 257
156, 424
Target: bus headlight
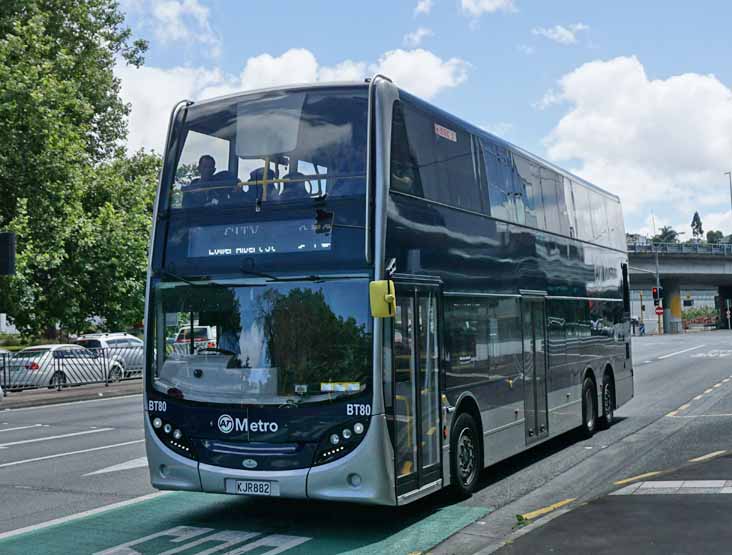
177, 434
338, 442
157, 423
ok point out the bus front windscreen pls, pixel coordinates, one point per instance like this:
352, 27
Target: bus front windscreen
271, 147
265, 344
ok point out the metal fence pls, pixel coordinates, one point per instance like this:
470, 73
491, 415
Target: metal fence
719, 249
59, 366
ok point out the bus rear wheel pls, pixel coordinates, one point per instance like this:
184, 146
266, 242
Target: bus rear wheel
465, 455
608, 402
589, 408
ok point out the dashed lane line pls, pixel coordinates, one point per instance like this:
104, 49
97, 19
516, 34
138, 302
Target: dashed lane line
545, 510
709, 456
669, 355
638, 477
675, 413
69, 453
22, 428
48, 438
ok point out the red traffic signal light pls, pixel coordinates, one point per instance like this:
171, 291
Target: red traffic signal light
657, 293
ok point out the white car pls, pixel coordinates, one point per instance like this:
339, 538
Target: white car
53, 366
124, 352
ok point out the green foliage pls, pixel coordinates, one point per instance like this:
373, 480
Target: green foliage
694, 312
715, 237
667, 234
696, 226
66, 188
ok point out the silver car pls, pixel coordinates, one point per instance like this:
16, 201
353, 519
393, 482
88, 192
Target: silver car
123, 353
53, 366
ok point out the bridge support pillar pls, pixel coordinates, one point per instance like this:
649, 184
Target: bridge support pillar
672, 320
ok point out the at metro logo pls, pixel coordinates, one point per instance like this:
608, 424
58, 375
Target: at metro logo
244, 425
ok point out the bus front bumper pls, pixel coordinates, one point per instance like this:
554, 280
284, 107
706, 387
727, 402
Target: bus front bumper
366, 475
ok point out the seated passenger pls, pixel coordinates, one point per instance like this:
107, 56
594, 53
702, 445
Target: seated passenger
258, 176
294, 187
204, 191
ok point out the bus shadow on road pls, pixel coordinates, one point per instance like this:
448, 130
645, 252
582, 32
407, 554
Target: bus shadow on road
508, 467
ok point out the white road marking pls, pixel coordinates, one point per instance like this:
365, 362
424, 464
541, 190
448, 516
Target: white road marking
36, 440
77, 516
134, 463
54, 405
680, 352
57, 455
677, 487
23, 428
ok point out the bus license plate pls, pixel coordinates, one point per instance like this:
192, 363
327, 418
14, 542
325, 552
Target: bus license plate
253, 487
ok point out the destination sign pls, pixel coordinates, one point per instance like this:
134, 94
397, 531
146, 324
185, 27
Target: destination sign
251, 239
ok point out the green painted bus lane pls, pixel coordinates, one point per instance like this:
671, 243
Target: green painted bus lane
205, 524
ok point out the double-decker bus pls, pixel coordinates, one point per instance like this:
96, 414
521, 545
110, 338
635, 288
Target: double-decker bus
380, 299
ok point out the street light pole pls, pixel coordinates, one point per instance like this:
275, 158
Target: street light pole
729, 174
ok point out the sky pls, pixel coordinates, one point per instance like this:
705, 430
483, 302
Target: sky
632, 96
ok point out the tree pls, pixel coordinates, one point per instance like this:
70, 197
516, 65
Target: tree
61, 122
715, 237
666, 235
696, 226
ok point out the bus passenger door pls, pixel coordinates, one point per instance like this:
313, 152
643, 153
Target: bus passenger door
416, 388
535, 369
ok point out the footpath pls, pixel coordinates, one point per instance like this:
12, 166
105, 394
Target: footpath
40, 397
683, 511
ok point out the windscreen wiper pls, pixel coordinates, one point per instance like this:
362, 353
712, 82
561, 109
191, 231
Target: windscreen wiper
188, 281
315, 278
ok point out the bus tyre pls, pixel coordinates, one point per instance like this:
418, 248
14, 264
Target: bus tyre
465, 455
589, 408
608, 403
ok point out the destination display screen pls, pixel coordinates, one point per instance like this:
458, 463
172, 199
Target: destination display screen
250, 239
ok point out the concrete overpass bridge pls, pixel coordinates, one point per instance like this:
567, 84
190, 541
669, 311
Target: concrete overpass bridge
691, 275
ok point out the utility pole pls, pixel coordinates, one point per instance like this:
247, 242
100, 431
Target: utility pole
729, 174
659, 322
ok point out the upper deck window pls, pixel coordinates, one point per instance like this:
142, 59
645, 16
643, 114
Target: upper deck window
272, 147
433, 158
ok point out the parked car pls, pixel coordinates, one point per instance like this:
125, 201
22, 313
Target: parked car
123, 352
204, 337
53, 366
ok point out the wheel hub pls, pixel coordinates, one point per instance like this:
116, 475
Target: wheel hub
466, 455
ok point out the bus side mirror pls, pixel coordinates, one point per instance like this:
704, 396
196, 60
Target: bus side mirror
383, 298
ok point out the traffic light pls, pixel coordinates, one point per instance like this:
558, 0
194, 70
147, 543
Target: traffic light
657, 295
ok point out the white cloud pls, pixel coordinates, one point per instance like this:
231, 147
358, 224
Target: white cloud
661, 143
415, 38
561, 34
476, 8
423, 7
176, 22
421, 72
152, 91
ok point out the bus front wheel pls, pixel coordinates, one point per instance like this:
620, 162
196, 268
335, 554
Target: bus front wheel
465, 457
